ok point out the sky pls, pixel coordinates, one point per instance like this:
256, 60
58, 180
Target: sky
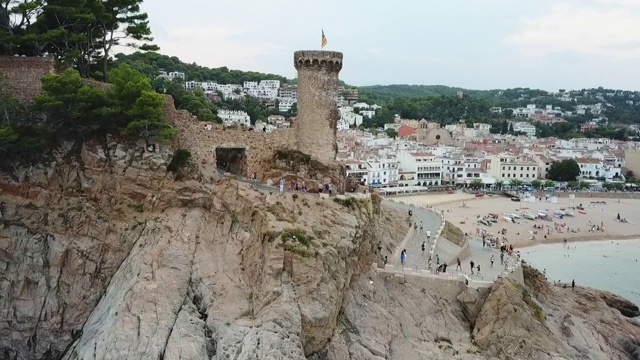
474, 44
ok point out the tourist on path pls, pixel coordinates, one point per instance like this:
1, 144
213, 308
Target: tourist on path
573, 284
282, 185
402, 257
501, 258
424, 246
471, 267
493, 258
428, 235
459, 265
478, 270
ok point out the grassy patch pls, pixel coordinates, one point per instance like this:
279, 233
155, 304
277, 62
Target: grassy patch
531, 304
349, 202
298, 235
137, 207
281, 212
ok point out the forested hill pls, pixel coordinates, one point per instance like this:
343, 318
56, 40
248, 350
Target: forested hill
386, 92
150, 64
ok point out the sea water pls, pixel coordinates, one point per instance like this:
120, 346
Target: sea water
607, 265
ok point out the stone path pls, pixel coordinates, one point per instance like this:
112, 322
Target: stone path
416, 262
430, 221
482, 256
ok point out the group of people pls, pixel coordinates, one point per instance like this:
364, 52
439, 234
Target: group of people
302, 186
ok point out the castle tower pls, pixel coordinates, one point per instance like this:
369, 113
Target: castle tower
317, 109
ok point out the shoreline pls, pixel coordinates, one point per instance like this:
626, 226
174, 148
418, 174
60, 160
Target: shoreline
584, 239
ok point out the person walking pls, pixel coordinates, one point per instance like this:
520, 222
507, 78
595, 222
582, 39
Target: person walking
402, 258
282, 185
424, 247
428, 235
478, 268
385, 260
471, 267
501, 258
573, 284
459, 265
493, 257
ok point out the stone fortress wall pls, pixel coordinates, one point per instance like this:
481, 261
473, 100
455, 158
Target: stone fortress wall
313, 133
23, 74
202, 143
317, 111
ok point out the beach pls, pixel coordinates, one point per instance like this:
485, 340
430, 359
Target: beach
465, 211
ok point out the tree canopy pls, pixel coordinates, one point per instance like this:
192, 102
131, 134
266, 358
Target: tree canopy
151, 63
71, 108
79, 33
564, 170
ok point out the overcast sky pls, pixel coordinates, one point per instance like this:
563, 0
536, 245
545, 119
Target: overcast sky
476, 44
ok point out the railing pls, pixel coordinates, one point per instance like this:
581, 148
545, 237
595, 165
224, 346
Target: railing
475, 281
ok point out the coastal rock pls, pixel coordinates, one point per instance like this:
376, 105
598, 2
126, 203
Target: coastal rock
472, 301
511, 324
625, 307
106, 256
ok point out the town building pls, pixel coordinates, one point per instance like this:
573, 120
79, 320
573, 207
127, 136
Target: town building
234, 117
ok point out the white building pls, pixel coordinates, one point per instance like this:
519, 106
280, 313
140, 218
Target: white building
285, 104
368, 113
382, 171
234, 117
419, 169
526, 128
590, 167
507, 168
172, 75
266, 89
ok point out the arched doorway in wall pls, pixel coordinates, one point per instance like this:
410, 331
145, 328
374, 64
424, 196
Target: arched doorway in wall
232, 160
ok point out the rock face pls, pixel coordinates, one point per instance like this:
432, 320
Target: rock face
152, 268
104, 256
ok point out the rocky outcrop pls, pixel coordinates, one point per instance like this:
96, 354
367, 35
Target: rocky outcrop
104, 256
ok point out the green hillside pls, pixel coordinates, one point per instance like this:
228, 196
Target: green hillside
150, 64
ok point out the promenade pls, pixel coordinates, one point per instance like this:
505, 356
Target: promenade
416, 263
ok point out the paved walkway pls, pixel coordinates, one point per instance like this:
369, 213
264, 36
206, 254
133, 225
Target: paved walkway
413, 242
416, 264
482, 256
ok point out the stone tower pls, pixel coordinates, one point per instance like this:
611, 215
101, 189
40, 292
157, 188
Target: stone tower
317, 109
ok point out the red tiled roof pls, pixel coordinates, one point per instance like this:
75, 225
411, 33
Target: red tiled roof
406, 131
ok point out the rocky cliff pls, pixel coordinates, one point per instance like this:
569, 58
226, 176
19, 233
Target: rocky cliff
104, 256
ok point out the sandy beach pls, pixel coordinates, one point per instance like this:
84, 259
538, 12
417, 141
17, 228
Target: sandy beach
464, 211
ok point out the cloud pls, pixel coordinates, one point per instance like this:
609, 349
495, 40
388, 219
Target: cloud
217, 45
606, 28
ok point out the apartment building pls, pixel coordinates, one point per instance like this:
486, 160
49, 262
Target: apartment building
424, 168
234, 117
508, 168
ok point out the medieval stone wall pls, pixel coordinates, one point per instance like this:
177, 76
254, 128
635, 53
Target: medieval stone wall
23, 74
317, 112
194, 136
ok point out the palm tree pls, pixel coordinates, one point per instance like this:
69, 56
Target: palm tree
499, 184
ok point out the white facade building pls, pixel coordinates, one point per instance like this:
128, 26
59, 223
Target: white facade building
526, 128
234, 117
419, 169
507, 168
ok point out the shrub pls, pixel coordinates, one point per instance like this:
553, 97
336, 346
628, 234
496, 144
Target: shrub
300, 235
179, 160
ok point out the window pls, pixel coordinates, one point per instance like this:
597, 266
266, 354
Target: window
527, 168
521, 168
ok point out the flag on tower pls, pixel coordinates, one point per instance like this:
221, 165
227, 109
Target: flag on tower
324, 40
